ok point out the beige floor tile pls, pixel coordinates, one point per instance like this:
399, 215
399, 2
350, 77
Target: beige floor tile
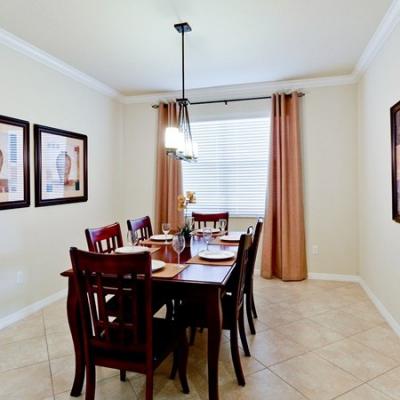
263, 385
23, 353
354, 291
367, 311
314, 377
382, 339
108, 389
307, 307
26, 329
309, 334
357, 359
363, 392
342, 322
55, 317
275, 314
28, 383
62, 370
59, 344
388, 383
270, 347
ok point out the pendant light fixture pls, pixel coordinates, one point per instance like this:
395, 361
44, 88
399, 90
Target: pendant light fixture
178, 140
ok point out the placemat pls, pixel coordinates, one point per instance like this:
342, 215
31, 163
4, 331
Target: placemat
223, 263
169, 271
154, 249
220, 242
154, 242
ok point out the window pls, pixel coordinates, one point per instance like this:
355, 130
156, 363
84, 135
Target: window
232, 171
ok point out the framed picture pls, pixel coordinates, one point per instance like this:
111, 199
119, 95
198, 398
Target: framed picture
395, 125
14, 163
60, 166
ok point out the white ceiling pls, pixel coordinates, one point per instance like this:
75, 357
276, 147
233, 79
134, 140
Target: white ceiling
131, 45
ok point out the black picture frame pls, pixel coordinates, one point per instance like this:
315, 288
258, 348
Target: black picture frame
82, 169
395, 139
25, 201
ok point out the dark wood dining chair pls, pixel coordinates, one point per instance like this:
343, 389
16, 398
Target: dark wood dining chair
248, 288
201, 219
104, 239
129, 338
193, 314
142, 226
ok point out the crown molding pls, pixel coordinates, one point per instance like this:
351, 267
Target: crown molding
238, 91
23, 47
385, 28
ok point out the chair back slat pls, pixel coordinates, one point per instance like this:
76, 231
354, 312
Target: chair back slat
128, 326
142, 226
201, 219
253, 253
237, 280
104, 239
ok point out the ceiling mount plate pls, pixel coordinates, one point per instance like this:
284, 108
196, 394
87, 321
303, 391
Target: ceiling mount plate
183, 27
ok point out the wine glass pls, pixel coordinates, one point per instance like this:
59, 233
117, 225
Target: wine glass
207, 235
222, 225
132, 238
178, 244
166, 227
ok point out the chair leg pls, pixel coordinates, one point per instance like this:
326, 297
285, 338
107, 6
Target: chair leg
122, 375
249, 314
175, 364
235, 355
242, 333
90, 381
253, 305
170, 310
192, 335
149, 386
183, 352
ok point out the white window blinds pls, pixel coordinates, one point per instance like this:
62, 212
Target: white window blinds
232, 171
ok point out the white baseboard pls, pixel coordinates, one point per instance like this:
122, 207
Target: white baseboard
381, 308
333, 277
31, 309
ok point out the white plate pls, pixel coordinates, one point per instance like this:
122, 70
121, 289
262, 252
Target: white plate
132, 250
162, 238
216, 254
230, 238
157, 265
213, 230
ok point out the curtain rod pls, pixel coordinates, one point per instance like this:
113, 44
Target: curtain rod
226, 101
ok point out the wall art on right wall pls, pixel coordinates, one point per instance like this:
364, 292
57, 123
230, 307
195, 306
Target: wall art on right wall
395, 125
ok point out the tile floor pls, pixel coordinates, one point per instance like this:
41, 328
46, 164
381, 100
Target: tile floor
315, 340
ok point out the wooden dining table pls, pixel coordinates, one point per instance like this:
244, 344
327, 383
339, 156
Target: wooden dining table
204, 283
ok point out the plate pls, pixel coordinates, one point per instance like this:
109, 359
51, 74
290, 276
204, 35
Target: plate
230, 238
213, 230
132, 250
157, 265
216, 254
162, 238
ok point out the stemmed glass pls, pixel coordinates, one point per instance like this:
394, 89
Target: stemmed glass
178, 244
207, 235
132, 238
222, 225
166, 227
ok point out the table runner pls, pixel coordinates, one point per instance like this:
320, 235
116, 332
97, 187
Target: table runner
220, 242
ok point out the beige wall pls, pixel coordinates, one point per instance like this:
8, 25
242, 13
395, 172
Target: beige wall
379, 89
329, 147
36, 240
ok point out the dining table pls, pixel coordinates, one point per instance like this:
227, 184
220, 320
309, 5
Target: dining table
203, 282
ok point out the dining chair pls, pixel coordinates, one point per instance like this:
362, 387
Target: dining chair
248, 288
129, 338
104, 239
142, 226
193, 314
201, 219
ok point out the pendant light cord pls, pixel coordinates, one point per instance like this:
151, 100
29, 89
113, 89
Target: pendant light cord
183, 64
